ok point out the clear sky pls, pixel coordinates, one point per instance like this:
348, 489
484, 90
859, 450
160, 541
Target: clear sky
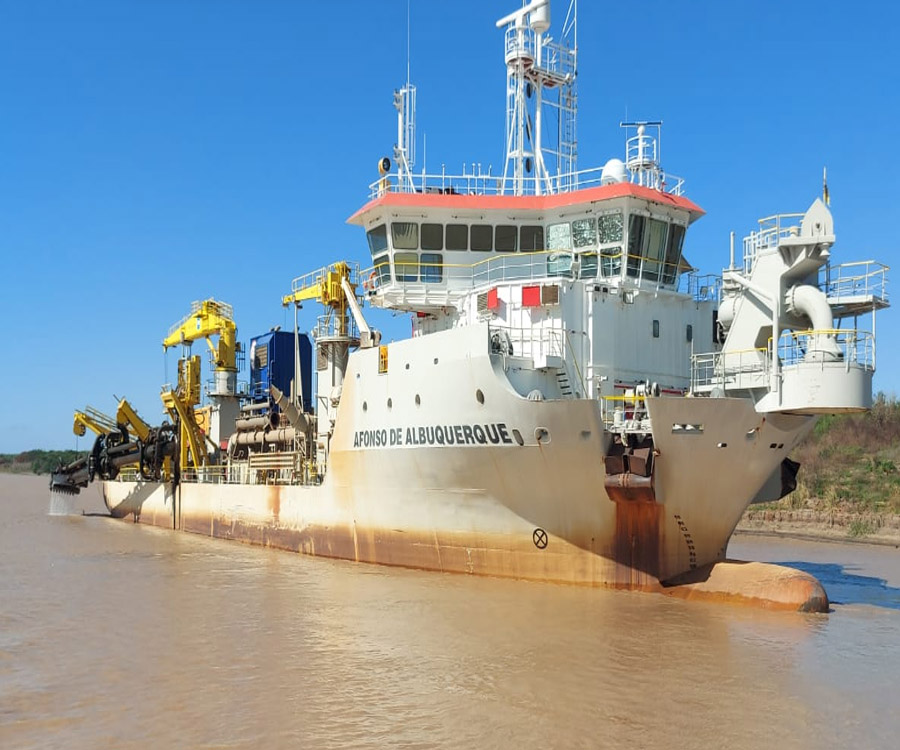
155, 152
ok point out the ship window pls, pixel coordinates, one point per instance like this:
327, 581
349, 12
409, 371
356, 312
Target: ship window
406, 266
689, 333
584, 232
505, 236
531, 238
457, 237
559, 236
405, 235
432, 267
482, 237
654, 249
588, 266
611, 261
635, 238
559, 264
383, 269
656, 329
432, 236
377, 239
609, 228
673, 252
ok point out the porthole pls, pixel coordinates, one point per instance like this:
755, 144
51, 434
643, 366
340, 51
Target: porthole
365, 406
435, 360
390, 404
518, 436
479, 396
407, 365
418, 400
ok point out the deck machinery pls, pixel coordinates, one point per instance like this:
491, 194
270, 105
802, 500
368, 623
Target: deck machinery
269, 428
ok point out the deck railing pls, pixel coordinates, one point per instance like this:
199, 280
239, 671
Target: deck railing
474, 180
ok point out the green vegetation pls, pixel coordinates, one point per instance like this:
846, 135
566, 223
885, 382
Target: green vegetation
850, 463
36, 461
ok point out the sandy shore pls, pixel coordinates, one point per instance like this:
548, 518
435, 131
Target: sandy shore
836, 526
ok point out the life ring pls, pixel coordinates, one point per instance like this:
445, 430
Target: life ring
369, 284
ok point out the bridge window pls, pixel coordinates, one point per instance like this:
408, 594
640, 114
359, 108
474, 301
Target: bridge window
377, 238
654, 249
588, 266
611, 261
673, 253
635, 243
383, 269
559, 264
584, 232
457, 237
432, 236
609, 227
432, 267
505, 236
405, 235
406, 266
559, 236
482, 237
531, 238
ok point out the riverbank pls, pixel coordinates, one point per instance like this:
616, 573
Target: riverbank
827, 525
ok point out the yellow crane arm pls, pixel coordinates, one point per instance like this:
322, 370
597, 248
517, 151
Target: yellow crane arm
126, 415
93, 420
206, 319
323, 285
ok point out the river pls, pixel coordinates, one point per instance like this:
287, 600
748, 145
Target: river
116, 635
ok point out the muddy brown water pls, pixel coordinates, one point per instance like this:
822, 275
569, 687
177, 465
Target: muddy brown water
115, 635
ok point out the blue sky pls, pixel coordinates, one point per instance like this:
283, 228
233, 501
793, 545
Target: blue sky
157, 152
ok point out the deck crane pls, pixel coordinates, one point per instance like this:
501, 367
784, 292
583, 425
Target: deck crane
94, 420
332, 287
102, 424
207, 319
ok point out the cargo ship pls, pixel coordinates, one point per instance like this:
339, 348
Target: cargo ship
575, 403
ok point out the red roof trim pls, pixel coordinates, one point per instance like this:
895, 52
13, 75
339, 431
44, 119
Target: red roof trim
526, 202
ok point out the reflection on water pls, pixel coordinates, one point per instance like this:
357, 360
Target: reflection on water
117, 635
844, 586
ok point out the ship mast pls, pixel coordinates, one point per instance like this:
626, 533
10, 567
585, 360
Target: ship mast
540, 75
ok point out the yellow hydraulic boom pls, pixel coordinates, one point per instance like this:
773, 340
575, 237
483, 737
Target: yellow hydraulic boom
180, 403
126, 415
326, 287
94, 420
207, 319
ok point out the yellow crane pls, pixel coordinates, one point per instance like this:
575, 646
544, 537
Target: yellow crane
331, 287
94, 420
207, 319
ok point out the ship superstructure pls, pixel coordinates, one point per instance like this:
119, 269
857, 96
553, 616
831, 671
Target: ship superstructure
575, 402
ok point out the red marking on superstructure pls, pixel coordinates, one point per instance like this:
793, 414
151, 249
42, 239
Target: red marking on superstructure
531, 296
526, 202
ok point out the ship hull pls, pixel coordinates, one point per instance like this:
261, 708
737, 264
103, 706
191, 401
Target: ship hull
452, 469
543, 516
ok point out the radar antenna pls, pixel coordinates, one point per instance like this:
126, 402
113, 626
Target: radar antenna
540, 78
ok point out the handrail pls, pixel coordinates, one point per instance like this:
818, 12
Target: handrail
479, 182
537, 265
849, 345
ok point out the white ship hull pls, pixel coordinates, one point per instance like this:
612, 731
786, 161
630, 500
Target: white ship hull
491, 506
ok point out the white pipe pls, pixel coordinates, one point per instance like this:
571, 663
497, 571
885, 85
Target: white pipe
811, 302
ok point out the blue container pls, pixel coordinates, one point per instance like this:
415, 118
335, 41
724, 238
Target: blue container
272, 363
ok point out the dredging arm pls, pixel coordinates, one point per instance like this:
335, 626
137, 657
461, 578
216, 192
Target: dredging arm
114, 450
